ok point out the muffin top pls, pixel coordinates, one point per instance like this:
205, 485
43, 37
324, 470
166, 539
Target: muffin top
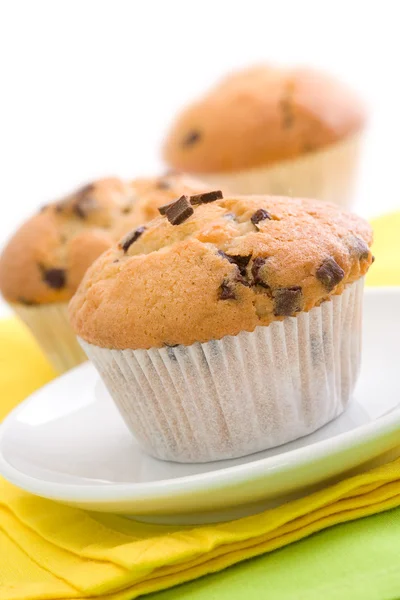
47, 257
213, 267
260, 116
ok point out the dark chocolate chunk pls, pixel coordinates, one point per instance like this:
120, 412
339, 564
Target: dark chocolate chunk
229, 258
287, 115
191, 138
55, 278
163, 184
131, 237
242, 279
372, 259
226, 291
84, 205
26, 301
286, 106
240, 261
127, 209
85, 190
357, 247
256, 267
287, 301
329, 273
163, 209
308, 147
206, 197
260, 215
179, 211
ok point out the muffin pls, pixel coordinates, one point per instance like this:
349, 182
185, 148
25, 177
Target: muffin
228, 325
292, 132
44, 262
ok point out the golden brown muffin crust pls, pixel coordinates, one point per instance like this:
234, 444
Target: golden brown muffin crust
260, 116
232, 265
47, 257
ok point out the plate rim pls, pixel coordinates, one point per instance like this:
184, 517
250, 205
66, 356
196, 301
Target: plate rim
231, 475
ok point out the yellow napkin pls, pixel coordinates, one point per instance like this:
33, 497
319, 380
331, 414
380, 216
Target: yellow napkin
386, 249
50, 551
53, 551
23, 367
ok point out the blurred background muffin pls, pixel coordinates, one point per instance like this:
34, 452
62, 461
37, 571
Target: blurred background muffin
272, 130
44, 262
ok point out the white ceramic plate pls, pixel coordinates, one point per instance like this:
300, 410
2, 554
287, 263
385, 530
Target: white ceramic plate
68, 442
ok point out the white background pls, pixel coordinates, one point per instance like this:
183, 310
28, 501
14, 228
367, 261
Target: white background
88, 87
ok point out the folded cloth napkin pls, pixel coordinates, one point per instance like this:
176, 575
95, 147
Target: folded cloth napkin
53, 551
50, 551
353, 561
386, 248
23, 367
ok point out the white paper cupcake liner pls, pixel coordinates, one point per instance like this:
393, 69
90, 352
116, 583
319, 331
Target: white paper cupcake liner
327, 174
50, 326
234, 396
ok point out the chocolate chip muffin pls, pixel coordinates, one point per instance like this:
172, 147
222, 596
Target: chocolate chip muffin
44, 262
228, 325
272, 130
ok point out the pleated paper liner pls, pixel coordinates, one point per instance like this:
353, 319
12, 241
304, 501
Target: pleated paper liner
241, 394
327, 174
50, 326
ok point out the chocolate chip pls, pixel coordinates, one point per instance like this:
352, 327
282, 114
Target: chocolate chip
206, 197
163, 209
308, 147
226, 291
191, 138
329, 273
260, 215
25, 301
55, 278
286, 106
287, 114
372, 259
84, 205
85, 190
180, 210
127, 209
240, 261
357, 247
287, 301
131, 237
258, 264
229, 258
162, 184
242, 279
170, 345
